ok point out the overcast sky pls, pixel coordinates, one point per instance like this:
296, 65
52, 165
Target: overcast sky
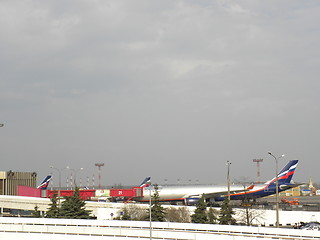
170, 89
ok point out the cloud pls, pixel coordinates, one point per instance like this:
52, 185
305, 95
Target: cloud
184, 84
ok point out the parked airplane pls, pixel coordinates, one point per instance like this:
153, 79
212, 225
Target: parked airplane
44, 184
191, 194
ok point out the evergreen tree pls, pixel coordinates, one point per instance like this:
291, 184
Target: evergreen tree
36, 213
212, 218
54, 210
74, 207
226, 212
158, 213
200, 215
125, 214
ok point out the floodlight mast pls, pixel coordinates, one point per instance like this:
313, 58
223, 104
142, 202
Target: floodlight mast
74, 184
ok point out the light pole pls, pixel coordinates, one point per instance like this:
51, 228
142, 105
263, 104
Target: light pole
150, 204
75, 174
228, 179
59, 189
277, 188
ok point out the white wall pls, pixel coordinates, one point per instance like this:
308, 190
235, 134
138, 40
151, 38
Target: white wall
268, 217
56, 229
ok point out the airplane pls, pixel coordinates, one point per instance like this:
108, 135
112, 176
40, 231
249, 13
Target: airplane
44, 184
189, 195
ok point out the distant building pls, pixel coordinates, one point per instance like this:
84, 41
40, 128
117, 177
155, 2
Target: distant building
10, 180
291, 192
312, 188
306, 192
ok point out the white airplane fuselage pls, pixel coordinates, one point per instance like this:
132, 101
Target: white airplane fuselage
179, 193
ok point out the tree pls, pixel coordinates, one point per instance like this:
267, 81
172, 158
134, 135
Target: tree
36, 213
74, 207
200, 215
125, 214
212, 216
178, 214
247, 216
226, 212
158, 213
54, 210
135, 212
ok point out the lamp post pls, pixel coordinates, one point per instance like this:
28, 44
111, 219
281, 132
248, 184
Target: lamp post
59, 188
277, 188
75, 174
150, 216
228, 179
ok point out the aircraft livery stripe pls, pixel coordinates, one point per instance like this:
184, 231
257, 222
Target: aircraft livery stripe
289, 173
249, 192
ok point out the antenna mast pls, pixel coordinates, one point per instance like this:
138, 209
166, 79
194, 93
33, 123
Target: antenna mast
99, 165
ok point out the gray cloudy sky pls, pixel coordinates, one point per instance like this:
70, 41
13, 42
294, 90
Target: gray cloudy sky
172, 89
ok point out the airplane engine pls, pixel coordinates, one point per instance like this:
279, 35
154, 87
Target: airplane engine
191, 201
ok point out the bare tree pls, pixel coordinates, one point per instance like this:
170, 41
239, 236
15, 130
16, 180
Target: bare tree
247, 216
178, 214
135, 212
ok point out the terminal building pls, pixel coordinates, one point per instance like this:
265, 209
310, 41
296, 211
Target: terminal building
10, 180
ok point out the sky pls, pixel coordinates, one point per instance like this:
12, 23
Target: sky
170, 89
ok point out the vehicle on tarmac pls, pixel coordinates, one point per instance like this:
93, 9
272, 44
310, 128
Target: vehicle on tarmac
315, 226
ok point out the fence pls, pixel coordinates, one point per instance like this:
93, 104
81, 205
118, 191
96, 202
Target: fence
44, 228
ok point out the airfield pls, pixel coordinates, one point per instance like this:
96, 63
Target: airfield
306, 203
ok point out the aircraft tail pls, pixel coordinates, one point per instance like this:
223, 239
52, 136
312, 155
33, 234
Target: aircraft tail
285, 175
145, 182
44, 184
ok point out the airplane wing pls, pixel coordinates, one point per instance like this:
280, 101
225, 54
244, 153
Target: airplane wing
221, 194
288, 186
225, 193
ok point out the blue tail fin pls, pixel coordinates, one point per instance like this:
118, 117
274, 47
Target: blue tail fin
145, 182
285, 175
44, 184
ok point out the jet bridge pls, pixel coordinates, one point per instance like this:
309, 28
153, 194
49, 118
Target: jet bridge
127, 193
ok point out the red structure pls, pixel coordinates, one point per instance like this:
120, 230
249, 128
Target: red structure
99, 165
85, 194
28, 191
134, 192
